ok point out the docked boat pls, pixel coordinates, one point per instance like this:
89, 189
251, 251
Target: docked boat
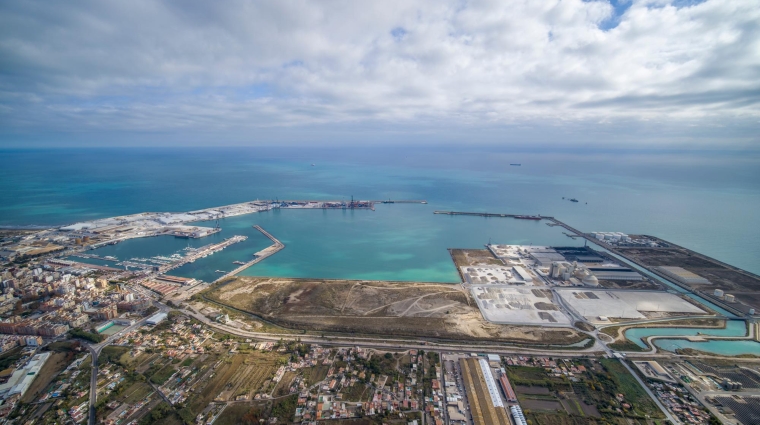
528, 217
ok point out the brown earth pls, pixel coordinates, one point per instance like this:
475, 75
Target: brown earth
376, 307
474, 257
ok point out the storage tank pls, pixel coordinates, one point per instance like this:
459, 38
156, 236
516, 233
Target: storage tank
751, 312
729, 298
591, 280
718, 293
555, 269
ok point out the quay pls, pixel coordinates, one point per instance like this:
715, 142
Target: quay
276, 247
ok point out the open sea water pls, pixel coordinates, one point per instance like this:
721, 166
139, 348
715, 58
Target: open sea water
708, 202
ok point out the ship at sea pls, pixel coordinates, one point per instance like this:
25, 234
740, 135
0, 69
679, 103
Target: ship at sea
573, 200
516, 165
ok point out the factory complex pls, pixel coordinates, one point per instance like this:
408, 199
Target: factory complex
561, 266
554, 286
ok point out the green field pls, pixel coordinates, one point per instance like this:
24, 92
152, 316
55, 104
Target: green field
587, 397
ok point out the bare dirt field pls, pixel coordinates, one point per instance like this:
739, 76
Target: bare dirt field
474, 257
376, 307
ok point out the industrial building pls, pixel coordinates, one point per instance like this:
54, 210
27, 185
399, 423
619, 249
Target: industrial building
22, 379
653, 370
614, 272
518, 415
506, 386
682, 275
485, 408
599, 305
156, 318
545, 256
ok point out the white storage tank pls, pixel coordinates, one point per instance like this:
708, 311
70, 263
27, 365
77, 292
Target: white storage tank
718, 293
729, 298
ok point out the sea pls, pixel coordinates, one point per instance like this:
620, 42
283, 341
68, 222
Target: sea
707, 201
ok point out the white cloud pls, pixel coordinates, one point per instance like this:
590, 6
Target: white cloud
238, 67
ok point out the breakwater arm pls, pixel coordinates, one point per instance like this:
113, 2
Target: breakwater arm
276, 247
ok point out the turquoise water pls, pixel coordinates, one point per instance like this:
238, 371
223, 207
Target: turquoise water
396, 242
706, 202
726, 348
733, 328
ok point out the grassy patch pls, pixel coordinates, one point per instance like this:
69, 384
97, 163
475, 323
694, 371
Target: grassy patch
162, 375
315, 374
627, 385
626, 346
10, 358
357, 392
284, 408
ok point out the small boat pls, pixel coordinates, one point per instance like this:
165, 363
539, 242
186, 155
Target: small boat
312, 165
220, 271
516, 165
238, 262
573, 200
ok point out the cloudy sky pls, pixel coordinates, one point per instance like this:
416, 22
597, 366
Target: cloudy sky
642, 73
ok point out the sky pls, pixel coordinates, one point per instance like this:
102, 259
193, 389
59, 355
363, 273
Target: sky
641, 73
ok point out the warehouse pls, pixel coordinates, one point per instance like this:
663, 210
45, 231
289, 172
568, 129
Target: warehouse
682, 275
615, 273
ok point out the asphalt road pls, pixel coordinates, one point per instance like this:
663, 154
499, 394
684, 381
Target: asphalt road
95, 352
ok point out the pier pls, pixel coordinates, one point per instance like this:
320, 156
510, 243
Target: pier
202, 252
484, 214
276, 247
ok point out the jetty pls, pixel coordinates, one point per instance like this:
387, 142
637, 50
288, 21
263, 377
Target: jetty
202, 252
276, 247
485, 214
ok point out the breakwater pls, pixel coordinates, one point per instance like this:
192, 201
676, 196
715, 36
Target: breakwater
276, 247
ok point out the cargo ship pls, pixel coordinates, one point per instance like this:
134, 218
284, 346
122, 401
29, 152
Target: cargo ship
528, 217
